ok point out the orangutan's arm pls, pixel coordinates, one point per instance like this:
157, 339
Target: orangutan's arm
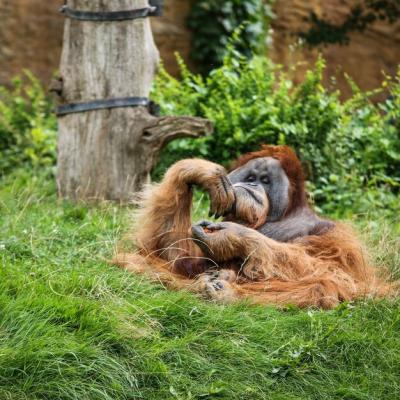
164, 218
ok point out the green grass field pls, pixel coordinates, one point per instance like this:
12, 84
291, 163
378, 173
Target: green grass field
74, 327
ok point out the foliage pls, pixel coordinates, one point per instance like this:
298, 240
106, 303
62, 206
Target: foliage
27, 126
361, 15
74, 327
347, 148
214, 21
350, 149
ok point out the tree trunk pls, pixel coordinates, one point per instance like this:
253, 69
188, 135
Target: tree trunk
108, 154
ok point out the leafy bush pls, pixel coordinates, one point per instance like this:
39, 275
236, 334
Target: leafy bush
350, 150
27, 126
214, 21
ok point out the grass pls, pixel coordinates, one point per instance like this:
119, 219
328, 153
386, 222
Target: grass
74, 327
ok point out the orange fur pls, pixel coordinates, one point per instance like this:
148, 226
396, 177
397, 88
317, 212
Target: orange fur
313, 271
310, 271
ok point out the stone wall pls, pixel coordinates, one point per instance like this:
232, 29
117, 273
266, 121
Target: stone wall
172, 35
31, 37
364, 59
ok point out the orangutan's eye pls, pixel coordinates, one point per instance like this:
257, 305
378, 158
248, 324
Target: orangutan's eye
265, 180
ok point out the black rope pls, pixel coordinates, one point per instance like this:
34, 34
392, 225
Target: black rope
158, 4
72, 108
103, 16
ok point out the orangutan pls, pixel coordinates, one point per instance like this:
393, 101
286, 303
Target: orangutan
271, 247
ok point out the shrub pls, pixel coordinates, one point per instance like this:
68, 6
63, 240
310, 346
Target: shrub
350, 149
214, 21
27, 126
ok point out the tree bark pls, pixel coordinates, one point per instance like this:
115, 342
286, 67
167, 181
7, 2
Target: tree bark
108, 154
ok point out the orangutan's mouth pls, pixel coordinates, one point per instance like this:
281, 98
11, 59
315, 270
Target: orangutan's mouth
251, 193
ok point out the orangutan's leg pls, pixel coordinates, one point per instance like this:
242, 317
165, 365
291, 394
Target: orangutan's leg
274, 272
217, 285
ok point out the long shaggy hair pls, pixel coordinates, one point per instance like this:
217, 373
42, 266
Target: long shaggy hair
238, 261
